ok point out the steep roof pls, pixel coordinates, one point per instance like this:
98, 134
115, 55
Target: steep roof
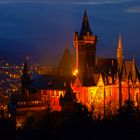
69, 96
126, 68
107, 65
134, 74
49, 82
24, 97
129, 70
96, 78
85, 27
66, 62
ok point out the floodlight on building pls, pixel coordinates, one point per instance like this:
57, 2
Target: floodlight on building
75, 72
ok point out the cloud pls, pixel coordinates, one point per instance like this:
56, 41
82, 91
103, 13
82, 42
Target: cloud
75, 2
100, 2
135, 9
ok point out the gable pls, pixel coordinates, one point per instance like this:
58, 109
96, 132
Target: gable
100, 81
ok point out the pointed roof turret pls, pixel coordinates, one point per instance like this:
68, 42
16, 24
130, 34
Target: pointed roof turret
85, 28
120, 42
69, 95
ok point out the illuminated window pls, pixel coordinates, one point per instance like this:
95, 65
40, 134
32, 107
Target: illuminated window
51, 93
57, 93
91, 95
54, 92
110, 80
60, 93
136, 99
110, 92
33, 102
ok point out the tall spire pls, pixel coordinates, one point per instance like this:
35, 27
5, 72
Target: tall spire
120, 42
120, 52
85, 28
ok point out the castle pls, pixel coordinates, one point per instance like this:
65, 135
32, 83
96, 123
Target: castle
102, 83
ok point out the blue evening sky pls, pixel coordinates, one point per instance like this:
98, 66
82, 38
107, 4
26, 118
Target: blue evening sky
44, 28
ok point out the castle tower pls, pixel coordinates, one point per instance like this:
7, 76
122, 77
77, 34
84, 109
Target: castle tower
119, 53
85, 46
25, 78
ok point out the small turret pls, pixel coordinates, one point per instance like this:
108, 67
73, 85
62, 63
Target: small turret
67, 102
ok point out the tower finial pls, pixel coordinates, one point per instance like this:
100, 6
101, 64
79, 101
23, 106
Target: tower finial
120, 42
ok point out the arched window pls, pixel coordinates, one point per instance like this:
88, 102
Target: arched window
136, 99
91, 95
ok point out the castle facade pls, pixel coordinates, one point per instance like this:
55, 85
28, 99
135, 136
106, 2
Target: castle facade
103, 83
